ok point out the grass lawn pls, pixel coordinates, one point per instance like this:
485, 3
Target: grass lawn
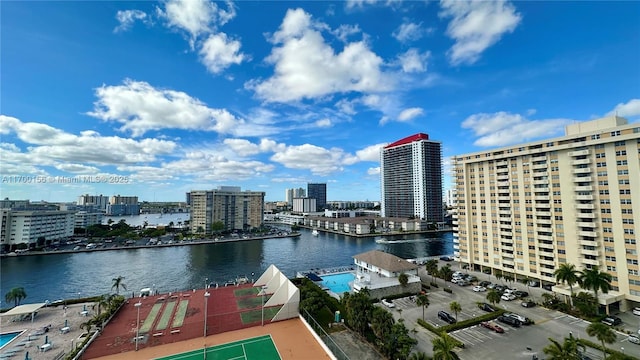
251, 302
246, 292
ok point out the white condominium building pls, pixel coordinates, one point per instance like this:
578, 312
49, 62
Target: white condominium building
525, 209
235, 209
27, 227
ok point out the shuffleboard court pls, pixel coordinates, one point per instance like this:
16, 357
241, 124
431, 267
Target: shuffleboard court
257, 348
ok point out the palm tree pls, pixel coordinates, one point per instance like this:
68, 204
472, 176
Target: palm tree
381, 322
567, 273
422, 301
16, 295
603, 333
493, 297
456, 308
443, 348
432, 268
403, 279
596, 280
418, 356
117, 284
446, 273
568, 350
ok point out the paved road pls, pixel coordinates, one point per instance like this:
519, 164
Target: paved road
515, 343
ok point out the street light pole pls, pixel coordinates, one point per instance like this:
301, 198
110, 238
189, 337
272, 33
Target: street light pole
262, 292
137, 305
206, 282
206, 302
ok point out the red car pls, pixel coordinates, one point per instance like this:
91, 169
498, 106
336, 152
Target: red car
491, 326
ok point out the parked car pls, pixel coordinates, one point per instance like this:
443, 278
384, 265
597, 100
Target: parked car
522, 319
479, 288
446, 258
471, 278
528, 304
612, 320
445, 316
455, 280
534, 283
486, 307
520, 294
500, 288
636, 311
463, 282
491, 286
508, 297
634, 339
388, 303
492, 326
484, 283
509, 320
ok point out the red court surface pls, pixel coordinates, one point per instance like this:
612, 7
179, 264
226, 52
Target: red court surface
171, 322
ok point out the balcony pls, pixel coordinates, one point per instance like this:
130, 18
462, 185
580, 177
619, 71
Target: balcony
592, 234
582, 179
542, 245
502, 177
502, 183
586, 215
544, 237
542, 198
586, 170
590, 262
504, 212
585, 207
583, 188
541, 189
544, 221
541, 182
543, 205
502, 163
583, 197
507, 248
507, 262
587, 242
590, 252
504, 198
581, 162
579, 153
539, 166
543, 212
506, 226
456, 246
586, 224
546, 262
506, 232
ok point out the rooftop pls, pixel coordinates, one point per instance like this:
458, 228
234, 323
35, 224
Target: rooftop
385, 261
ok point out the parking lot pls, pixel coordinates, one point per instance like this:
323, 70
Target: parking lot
515, 343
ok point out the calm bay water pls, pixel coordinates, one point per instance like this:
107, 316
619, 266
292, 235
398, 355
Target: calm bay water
63, 276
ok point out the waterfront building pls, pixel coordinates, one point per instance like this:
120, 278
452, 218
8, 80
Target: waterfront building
84, 219
99, 201
235, 209
29, 227
378, 271
411, 178
13, 204
304, 205
291, 194
349, 205
318, 191
525, 209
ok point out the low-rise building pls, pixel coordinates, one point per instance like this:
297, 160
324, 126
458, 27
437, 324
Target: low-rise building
379, 272
31, 227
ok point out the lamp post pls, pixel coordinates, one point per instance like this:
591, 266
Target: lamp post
137, 305
206, 283
262, 293
206, 302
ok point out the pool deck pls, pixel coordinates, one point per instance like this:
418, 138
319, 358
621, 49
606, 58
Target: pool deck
54, 316
327, 271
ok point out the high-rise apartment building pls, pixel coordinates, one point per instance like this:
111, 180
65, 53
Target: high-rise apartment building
318, 191
528, 208
237, 210
291, 194
99, 202
411, 178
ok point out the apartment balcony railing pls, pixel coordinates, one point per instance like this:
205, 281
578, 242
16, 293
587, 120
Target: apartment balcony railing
581, 162
579, 153
583, 188
588, 233
590, 252
585, 207
582, 179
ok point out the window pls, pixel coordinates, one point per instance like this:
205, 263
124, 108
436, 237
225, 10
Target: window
604, 192
627, 221
623, 182
595, 137
601, 164
600, 155
625, 201
602, 173
615, 133
623, 172
621, 152
619, 143
625, 191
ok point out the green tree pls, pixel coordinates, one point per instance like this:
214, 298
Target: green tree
217, 226
312, 302
446, 273
443, 347
493, 297
17, 294
567, 350
359, 308
422, 301
398, 343
456, 308
568, 274
586, 304
596, 280
403, 279
117, 284
103, 302
381, 322
418, 356
603, 333
431, 267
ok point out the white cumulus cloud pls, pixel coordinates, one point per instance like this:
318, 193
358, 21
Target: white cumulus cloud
408, 31
628, 109
126, 18
219, 52
476, 25
412, 61
408, 114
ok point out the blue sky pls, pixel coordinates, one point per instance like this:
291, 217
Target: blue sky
267, 95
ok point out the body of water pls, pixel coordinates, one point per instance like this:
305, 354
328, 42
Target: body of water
64, 276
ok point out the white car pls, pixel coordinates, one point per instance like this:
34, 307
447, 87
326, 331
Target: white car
479, 288
633, 339
508, 297
636, 311
388, 303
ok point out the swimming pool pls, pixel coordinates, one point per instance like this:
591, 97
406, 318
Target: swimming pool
338, 283
8, 337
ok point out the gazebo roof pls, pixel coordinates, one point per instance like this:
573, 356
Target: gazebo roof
24, 309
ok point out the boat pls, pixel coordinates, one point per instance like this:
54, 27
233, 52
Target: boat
242, 280
314, 232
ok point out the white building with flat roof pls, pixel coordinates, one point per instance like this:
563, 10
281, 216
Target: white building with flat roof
26, 227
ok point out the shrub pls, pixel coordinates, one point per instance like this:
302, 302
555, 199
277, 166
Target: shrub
447, 290
434, 285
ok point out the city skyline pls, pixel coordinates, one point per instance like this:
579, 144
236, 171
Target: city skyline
155, 99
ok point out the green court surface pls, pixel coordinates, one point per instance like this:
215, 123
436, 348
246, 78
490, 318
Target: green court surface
252, 316
167, 313
150, 319
257, 348
178, 319
251, 302
246, 292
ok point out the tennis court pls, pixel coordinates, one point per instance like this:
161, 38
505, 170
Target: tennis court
257, 348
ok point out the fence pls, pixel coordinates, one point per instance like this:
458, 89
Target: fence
328, 341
